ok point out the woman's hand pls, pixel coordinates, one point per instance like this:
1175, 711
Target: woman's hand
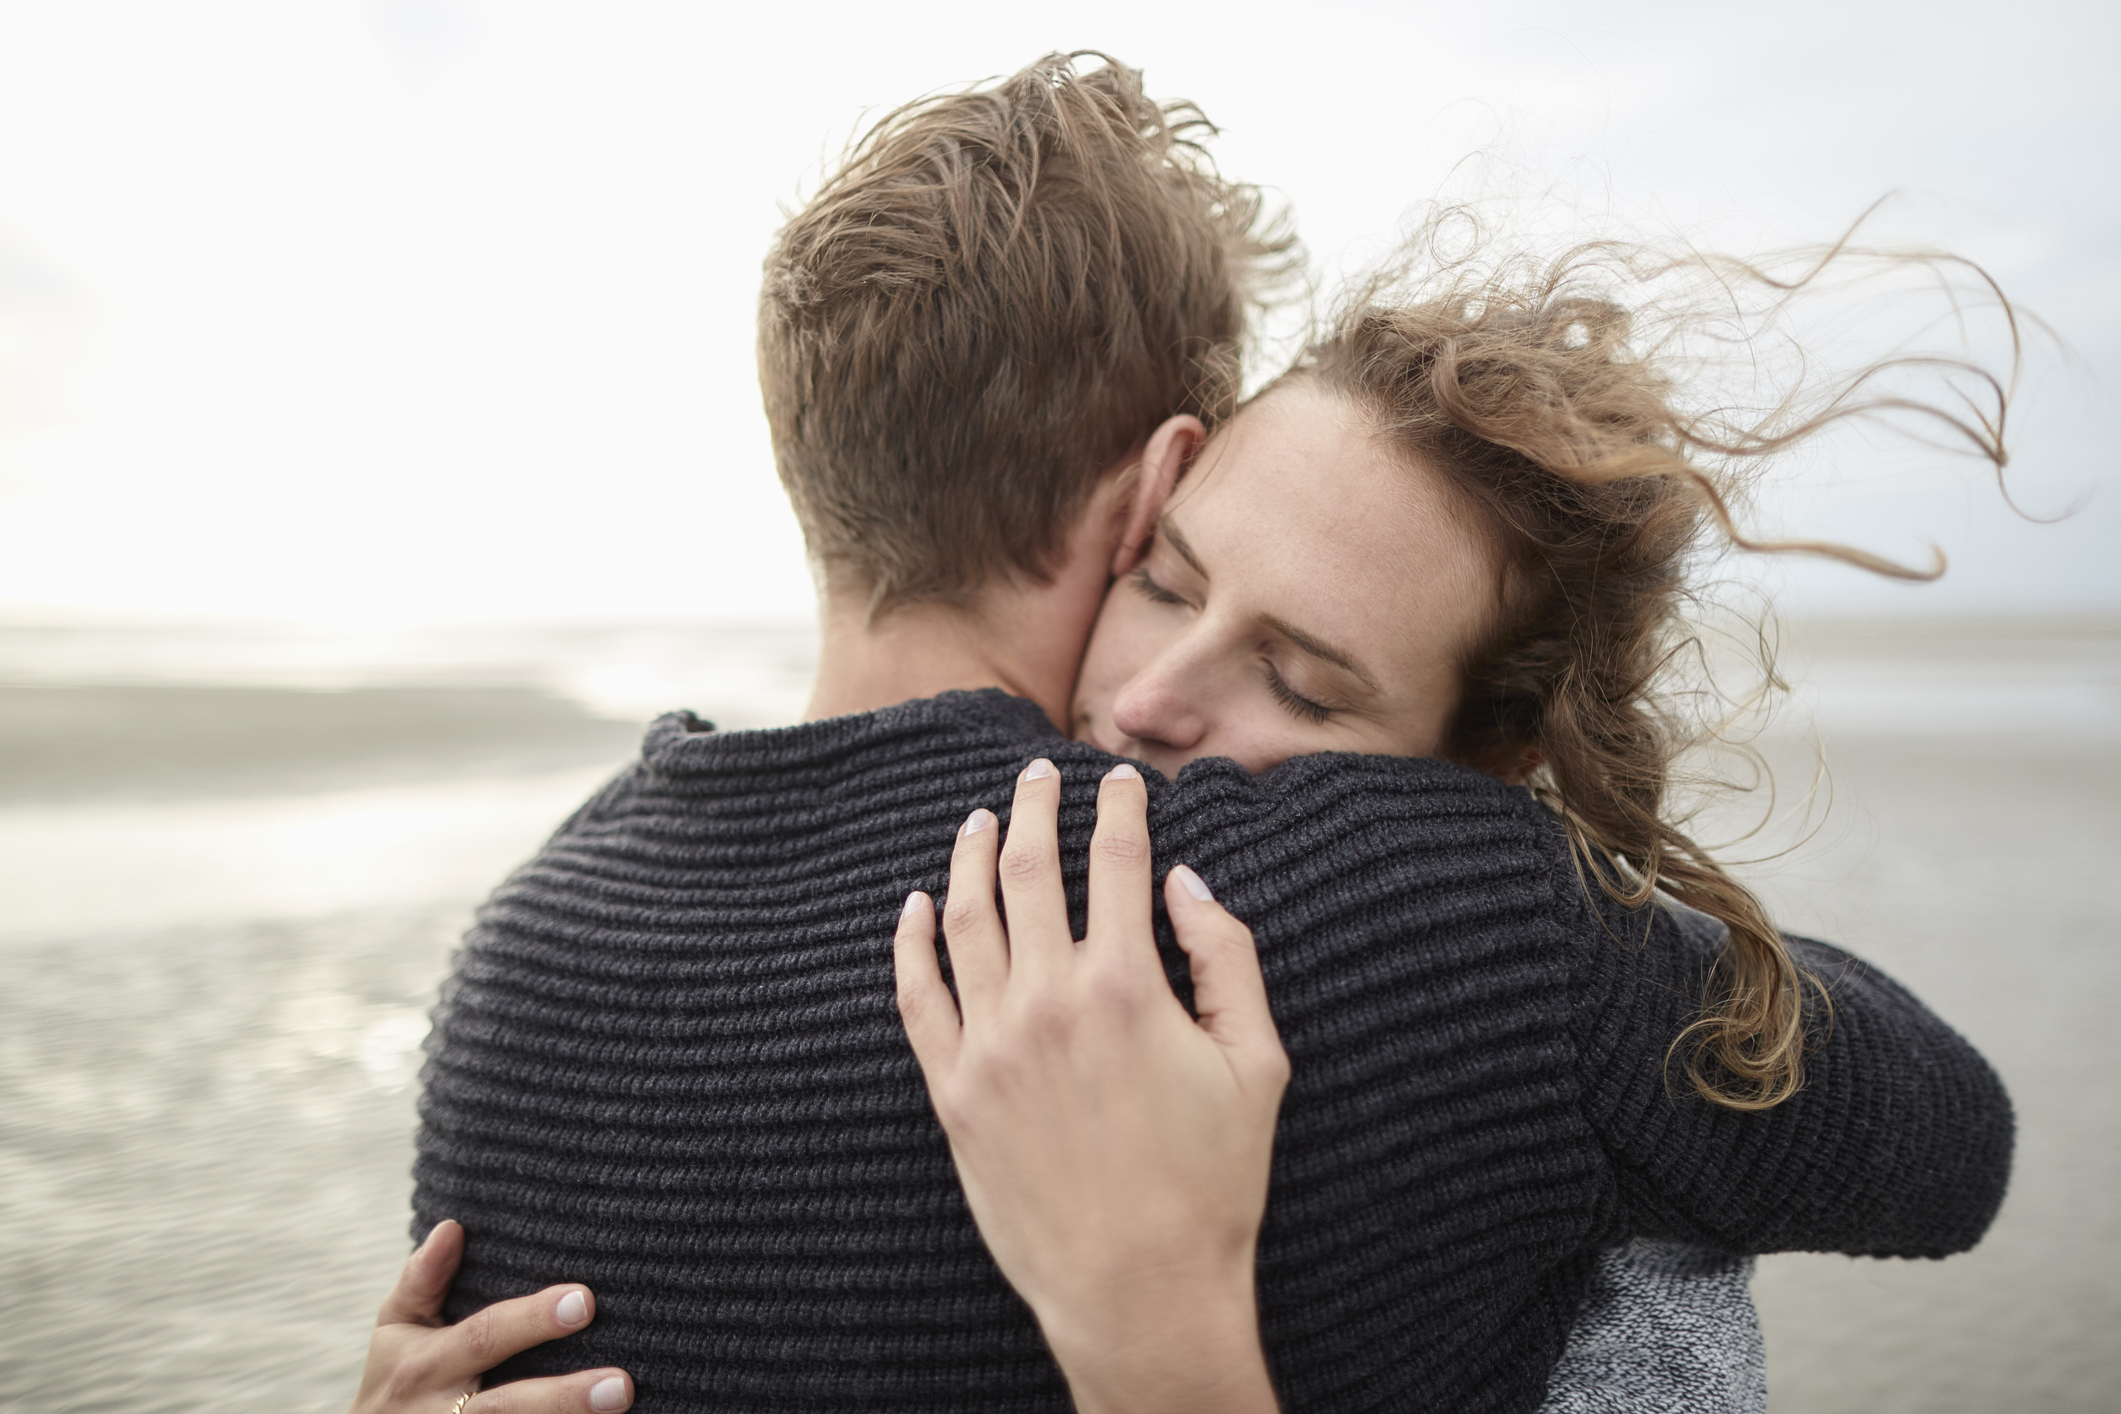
1114, 1151
417, 1365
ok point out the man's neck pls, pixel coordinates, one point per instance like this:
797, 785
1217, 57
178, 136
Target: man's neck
1024, 640
1024, 637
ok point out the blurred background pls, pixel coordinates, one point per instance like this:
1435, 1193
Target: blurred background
379, 450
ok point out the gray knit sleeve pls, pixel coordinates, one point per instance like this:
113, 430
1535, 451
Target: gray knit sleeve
1665, 1327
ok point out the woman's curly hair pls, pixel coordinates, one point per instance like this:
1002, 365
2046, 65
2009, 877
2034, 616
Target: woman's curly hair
1554, 395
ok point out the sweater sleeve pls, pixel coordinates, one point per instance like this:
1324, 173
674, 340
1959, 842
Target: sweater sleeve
1664, 1326
1899, 1143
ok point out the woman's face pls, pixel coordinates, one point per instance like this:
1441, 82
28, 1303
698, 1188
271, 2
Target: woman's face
1308, 590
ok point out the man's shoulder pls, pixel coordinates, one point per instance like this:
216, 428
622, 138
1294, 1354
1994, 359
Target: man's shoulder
1344, 835
681, 745
1339, 782
1394, 830
1403, 801
950, 743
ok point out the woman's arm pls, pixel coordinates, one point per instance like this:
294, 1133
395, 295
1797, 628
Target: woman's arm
1114, 1151
1899, 1144
417, 1365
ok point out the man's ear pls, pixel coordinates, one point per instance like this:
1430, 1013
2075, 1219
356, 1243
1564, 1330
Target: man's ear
1164, 459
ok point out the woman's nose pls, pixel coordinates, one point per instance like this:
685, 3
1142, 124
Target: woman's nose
1161, 704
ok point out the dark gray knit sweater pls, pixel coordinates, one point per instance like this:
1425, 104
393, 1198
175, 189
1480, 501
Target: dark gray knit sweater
669, 1066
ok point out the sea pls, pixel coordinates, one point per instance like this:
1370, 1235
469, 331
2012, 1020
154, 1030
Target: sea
235, 858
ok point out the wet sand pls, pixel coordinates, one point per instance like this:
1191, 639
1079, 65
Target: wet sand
1980, 873
206, 1076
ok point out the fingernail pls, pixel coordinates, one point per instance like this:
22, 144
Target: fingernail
913, 901
572, 1310
608, 1394
1193, 883
429, 1240
1038, 770
975, 822
1123, 772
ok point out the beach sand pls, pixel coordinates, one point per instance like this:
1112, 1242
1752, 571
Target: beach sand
207, 1074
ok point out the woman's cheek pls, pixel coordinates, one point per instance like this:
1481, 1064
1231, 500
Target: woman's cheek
1117, 651
1255, 740
1123, 642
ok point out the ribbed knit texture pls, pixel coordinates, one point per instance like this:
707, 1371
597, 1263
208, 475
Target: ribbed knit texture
669, 1065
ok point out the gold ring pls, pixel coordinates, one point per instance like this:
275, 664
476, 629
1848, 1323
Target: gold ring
462, 1400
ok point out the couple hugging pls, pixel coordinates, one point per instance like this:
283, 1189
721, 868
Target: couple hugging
1506, 1079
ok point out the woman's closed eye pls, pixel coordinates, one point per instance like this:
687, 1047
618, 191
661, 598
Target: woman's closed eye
1300, 706
1149, 589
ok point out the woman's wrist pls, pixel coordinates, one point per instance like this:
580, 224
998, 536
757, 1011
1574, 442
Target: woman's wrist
1165, 1348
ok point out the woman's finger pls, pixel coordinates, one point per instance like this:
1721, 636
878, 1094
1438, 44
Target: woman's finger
1229, 993
584, 1392
1039, 936
1121, 927
924, 1003
485, 1338
972, 930
423, 1282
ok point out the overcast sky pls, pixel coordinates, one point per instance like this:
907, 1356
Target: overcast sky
433, 310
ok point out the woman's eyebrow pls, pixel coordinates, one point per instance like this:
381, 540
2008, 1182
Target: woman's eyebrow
1319, 648
1310, 643
1168, 528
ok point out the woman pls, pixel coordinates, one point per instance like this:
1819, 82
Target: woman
1466, 526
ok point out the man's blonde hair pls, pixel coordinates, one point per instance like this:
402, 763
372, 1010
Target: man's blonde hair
997, 295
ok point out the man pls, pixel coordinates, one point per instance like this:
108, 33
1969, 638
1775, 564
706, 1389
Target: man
965, 339
669, 1065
